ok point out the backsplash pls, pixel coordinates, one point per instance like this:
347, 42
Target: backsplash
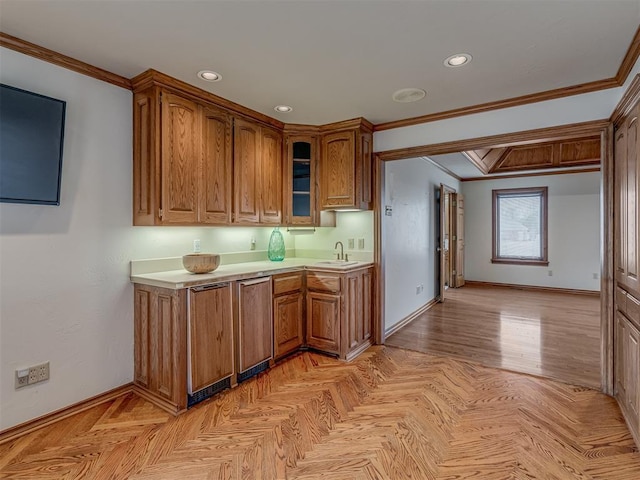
349, 225
234, 244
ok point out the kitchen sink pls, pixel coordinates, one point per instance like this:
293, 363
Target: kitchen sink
336, 263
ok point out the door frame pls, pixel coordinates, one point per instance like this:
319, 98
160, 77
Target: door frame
603, 128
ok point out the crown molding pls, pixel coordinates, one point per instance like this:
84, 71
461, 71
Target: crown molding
61, 60
630, 97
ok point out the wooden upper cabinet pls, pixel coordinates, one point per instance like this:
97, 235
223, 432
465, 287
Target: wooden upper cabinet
180, 159
300, 182
246, 183
366, 177
627, 194
633, 198
270, 169
338, 168
620, 219
216, 203
346, 179
257, 174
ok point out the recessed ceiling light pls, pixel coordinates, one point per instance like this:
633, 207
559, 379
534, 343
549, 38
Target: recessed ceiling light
209, 76
408, 95
458, 60
283, 108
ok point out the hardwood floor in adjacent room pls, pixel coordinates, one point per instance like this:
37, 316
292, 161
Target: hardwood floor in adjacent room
391, 414
555, 335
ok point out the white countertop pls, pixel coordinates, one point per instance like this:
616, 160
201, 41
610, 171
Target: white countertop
177, 279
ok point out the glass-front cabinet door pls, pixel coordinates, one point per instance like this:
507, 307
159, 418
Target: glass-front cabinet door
300, 193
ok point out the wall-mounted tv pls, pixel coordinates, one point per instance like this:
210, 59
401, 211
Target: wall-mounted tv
31, 141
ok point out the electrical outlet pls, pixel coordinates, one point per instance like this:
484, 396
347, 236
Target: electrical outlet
361, 244
196, 245
595, 276
550, 273
41, 372
22, 378
252, 245
350, 244
417, 289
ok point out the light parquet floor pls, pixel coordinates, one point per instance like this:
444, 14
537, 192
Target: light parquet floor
555, 335
391, 414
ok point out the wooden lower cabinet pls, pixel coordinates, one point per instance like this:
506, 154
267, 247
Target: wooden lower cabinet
339, 312
323, 321
627, 370
255, 325
193, 342
288, 313
160, 346
210, 335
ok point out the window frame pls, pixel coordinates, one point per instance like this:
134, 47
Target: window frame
544, 217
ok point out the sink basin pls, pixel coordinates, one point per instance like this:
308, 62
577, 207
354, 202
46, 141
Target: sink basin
336, 263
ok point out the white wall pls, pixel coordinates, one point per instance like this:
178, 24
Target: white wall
573, 232
409, 235
64, 289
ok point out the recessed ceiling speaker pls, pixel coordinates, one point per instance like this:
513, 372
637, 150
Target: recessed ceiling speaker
408, 95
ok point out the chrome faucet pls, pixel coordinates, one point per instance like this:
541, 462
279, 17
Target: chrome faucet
341, 254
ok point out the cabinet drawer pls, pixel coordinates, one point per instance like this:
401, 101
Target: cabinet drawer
621, 300
287, 282
323, 282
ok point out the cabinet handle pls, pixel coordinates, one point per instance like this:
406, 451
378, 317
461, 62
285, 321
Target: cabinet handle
255, 281
208, 287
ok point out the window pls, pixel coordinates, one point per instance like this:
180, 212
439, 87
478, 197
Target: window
520, 226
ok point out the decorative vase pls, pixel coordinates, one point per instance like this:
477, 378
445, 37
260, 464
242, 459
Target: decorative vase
276, 248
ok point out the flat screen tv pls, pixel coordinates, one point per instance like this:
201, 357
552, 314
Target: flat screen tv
31, 140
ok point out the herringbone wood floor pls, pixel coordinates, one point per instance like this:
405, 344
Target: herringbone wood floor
391, 414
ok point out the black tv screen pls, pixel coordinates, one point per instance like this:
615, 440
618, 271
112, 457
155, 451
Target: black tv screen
31, 140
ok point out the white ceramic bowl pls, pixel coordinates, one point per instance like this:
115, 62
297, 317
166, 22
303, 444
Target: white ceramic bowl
201, 262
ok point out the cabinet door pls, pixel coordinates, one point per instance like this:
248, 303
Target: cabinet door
270, 169
633, 193
323, 322
210, 335
216, 188
632, 372
367, 304
255, 335
358, 297
620, 341
353, 321
246, 172
180, 159
338, 170
300, 180
620, 219
287, 320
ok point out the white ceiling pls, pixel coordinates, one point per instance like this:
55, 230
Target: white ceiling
333, 60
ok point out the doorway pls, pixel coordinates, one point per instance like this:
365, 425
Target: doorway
449, 216
599, 129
